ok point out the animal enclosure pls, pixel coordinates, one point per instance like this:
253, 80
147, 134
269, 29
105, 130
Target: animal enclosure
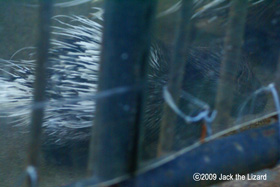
138, 93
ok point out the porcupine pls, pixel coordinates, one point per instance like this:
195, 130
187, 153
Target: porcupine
75, 58
262, 30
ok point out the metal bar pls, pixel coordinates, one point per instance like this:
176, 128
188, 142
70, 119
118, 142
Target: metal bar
242, 153
126, 41
277, 76
176, 77
232, 53
40, 82
246, 152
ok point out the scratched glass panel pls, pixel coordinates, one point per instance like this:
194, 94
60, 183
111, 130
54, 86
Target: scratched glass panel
75, 54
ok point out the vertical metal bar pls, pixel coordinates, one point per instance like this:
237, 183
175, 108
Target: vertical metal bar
277, 77
231, 58
40, 81
126, 39
176, 77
